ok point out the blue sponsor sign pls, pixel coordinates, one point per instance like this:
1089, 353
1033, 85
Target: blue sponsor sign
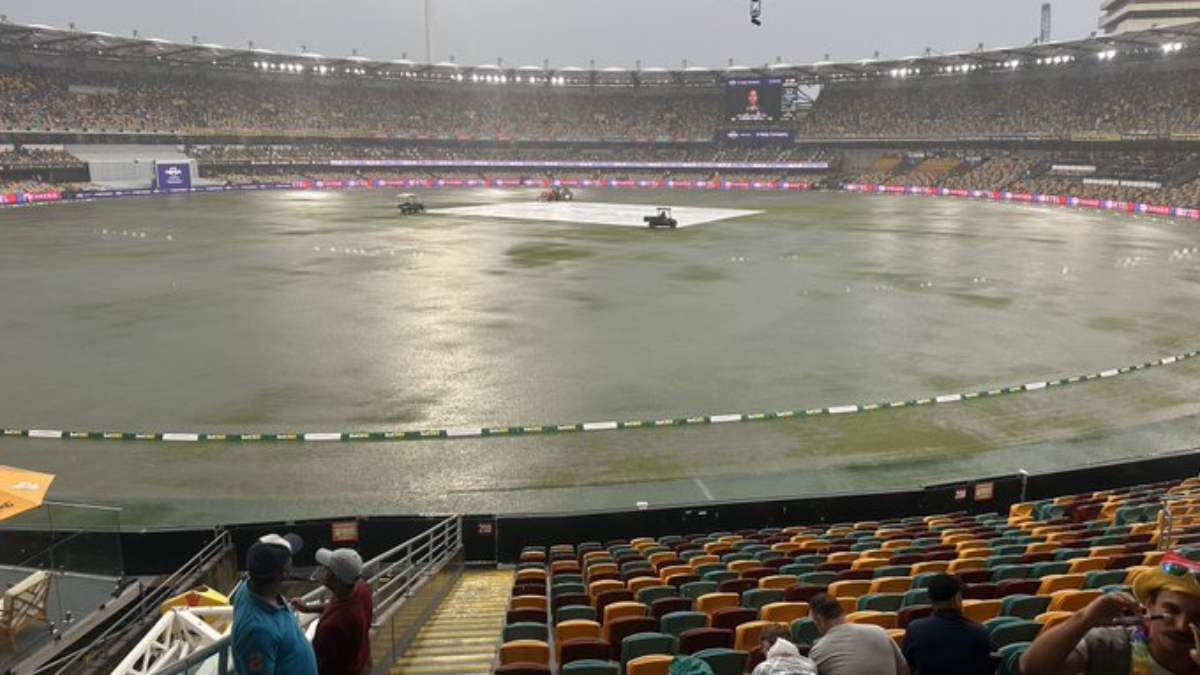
173, 176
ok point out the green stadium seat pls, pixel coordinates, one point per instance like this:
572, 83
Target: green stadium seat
525, 630
724, 661
590, 667
804, 632
642, 644
1024, 606
1013, 633
676, 623
755, 598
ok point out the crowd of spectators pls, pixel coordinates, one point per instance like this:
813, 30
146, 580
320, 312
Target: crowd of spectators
36, 158
1171, 179
1130, 101
44, 99
1076, 99
317, 153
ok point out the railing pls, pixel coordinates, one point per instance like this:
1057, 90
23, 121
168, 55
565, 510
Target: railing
138, 614
394, 576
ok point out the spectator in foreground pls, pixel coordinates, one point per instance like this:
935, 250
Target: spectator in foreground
783, 658
947, 643
1099, 640
267, 640
851, 648
342, 641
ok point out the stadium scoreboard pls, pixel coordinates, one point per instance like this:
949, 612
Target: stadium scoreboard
762, 99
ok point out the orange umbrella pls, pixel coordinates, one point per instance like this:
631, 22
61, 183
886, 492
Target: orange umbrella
21, 490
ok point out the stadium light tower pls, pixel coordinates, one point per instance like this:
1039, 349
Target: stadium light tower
1045, 35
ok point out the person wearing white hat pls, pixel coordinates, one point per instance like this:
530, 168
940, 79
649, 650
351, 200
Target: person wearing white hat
342, 640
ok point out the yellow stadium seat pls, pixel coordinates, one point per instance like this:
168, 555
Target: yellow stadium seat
842, 557
739, 566
1061, 582
531, 575
936, 566
600, 568
890, 585
897, 635
650, 664
657, 559
1072, 601
1153, 558
849, 605
784, 547
893, 544
850, 588
868, 563
711, 602
1083, 565
597, 587
778, 581
576, 628
966, 564
525, 651
1051, 619
638, 583
981, 610
703, 560
745, 636
1042, 547
783, 612
882, 619
592, 556
671, 570
636, 541
528, 602
979, 552
620, 610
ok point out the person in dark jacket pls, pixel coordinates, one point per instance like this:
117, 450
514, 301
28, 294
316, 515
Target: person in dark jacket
947, 643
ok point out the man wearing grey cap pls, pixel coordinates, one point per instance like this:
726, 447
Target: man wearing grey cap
267, 640
342, 641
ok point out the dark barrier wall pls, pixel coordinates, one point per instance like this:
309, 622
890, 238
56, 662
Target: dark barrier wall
489, 538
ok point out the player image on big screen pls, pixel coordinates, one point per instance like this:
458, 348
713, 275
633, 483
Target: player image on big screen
754, 99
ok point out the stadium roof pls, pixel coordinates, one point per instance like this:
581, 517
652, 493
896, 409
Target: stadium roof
41, 39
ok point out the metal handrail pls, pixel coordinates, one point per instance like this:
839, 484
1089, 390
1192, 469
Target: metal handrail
390, 584
133, 616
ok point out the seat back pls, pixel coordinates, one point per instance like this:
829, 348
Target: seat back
525, 651
1014, 632
724, 661
676, 623
525, 631
698, 639
647, 643
583, 649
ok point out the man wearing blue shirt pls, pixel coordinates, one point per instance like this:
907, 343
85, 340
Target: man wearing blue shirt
947, 643
267, 640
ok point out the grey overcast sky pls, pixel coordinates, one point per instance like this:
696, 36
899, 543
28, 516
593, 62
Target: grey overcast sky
572, 32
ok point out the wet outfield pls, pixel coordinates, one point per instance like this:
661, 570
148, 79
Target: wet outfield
305, 311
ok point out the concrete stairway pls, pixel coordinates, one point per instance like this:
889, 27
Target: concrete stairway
463, 634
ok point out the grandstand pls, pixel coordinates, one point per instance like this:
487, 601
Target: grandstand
612, 587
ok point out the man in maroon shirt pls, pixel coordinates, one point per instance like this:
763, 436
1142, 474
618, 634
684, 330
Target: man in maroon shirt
342, 641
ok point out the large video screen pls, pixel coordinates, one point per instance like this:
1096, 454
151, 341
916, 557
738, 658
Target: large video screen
754, 99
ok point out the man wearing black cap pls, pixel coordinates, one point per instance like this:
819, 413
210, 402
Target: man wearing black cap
267, 640
947, 643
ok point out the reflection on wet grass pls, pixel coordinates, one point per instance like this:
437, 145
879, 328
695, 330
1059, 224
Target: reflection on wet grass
985, 301
544, 254
697, 273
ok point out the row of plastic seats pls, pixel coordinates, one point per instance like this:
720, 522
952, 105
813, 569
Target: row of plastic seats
722, 662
